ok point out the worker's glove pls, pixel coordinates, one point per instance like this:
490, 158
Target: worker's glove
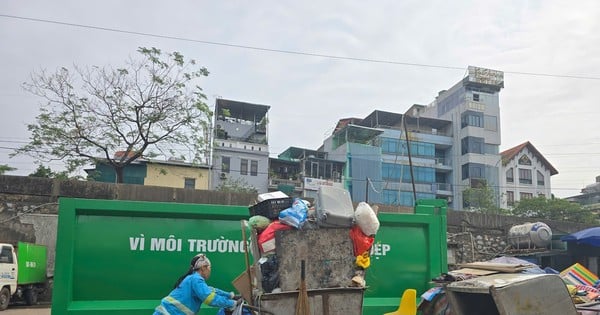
231, 295
236, 304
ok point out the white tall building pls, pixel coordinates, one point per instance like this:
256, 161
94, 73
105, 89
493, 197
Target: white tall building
472, 105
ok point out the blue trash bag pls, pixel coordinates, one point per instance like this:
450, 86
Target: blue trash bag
295, 215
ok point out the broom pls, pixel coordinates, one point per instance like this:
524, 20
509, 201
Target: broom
302, 306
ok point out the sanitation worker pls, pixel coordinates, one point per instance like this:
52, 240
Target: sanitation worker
191, 291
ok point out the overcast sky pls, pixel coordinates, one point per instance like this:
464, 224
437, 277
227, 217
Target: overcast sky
308, 94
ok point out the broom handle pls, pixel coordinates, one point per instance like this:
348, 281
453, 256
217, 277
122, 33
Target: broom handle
302, 275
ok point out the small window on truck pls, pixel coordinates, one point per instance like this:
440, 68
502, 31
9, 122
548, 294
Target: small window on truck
6, 256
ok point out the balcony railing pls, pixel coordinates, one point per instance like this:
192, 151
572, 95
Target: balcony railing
274, 182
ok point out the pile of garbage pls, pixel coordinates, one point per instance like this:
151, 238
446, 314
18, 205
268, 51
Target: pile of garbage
582, 284
333, 217
505, 273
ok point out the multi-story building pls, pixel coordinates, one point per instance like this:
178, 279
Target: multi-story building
589, 197
241, 148
472, 105
377, 165
299, 172
526, 174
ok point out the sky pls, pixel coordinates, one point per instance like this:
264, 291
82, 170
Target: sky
383, 55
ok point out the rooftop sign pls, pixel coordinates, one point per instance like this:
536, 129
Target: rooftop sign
486, 76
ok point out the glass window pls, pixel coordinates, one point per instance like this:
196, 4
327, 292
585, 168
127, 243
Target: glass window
475, 97
540, 178
525, 176
253, 168
524, 160
189, 183
473, 170
389, 145
225, 164
510, 198
490, 123
526, 195
471, 118
472, 145
244, 166
510, 176
393, 172
6, 256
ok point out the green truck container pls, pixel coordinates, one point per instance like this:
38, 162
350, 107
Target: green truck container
22, 273
32, 259
122, 257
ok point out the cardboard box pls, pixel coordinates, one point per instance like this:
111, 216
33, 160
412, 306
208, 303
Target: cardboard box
243, 285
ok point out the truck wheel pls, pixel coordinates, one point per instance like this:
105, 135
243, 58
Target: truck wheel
4, 298
30, 296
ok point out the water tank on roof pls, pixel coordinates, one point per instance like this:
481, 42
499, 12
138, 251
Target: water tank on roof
530, 235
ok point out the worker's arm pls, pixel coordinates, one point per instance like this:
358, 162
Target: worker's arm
209, 295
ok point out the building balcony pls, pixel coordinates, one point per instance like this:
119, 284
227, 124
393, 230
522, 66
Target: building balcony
280, 183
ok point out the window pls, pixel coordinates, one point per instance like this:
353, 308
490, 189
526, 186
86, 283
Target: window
526, 195
524, 160
471, 145
189, 183
6, 256
253, 168
225, 164
525, 176
244, 167
490, 123
471, 118
510, 198
473, 170
540, 178
475, 97
510, 175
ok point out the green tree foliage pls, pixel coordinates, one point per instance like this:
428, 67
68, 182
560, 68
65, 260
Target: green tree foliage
152, 106
482, 199
46, 172
553, 209
5, 168
238, 185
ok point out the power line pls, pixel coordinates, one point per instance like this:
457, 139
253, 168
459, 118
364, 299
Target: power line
284, 51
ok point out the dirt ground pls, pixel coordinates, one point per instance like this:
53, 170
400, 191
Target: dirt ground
27, 310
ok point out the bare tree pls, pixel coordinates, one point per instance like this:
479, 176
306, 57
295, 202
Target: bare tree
150, 107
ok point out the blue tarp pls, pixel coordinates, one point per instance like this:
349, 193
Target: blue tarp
589, 236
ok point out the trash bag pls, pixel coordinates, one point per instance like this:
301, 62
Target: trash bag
266, 239
270, 273
362, 243
259, 222
366, 218
295, 215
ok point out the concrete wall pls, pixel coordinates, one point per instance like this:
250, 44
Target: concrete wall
29, 212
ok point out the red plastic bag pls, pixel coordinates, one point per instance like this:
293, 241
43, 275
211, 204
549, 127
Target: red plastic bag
362, 243
266, 239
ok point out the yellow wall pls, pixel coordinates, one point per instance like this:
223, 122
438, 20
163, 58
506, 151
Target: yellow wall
174, 176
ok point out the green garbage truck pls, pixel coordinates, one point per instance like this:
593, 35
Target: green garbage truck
22, 272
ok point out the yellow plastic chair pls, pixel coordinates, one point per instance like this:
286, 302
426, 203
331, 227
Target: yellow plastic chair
408, 303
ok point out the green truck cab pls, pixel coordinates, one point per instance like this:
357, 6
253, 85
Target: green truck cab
22, 272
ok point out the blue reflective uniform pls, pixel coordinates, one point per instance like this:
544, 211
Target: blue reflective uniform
190, 294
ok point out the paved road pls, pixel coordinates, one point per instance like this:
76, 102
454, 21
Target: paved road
27, 310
